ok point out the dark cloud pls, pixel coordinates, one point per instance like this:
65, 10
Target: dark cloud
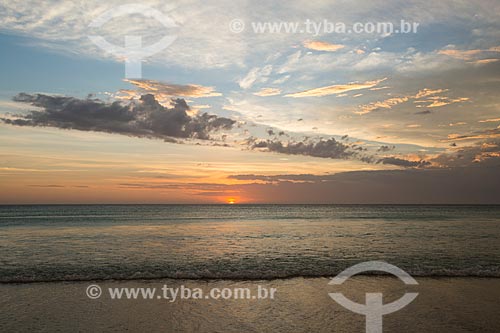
174, 186
386, 148
404, 163
144, 118
281, 178
477, 135
148, 118
485, 153
423, 112
471, 185
47, 186
330, 148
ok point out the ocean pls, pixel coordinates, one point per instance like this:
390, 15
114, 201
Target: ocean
42, 243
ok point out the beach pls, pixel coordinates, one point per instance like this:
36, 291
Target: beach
300, 305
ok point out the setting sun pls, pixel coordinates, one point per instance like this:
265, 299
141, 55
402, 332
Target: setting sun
231, 201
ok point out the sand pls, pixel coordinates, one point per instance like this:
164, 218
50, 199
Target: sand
300, 305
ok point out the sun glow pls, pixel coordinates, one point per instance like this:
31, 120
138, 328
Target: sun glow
231, 201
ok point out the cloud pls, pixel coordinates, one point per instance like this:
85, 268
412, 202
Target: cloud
65, 27
485, 153
323, 46
264, 92
330, 148
335, 89
471, 185
423, 112
429, 92
143, 118
386, 104
485, 61
403, 163
442, 101
477, 135
459, 123
386, 148
164, 91
492, 120
282, 79
48, 186
279, 178
428, 96
256, 74
460, 54
291, 62
476, 56
335, 149
175, 186
148, 118
481, 154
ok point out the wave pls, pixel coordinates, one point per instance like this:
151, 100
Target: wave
248, 276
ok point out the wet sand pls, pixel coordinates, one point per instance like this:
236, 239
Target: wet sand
300, 305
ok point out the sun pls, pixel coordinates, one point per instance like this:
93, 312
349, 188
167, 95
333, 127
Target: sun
231, 201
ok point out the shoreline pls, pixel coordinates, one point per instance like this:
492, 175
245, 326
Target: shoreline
458, 304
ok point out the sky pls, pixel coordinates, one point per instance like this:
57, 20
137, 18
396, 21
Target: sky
219, 111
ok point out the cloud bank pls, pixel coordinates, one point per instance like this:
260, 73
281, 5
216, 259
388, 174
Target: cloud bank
330, 148
146, 117
143, 118
471, 185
